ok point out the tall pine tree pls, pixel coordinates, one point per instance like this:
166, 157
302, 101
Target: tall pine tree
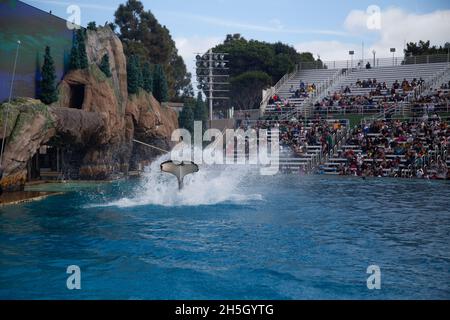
200, 111
140, 77
105, 67
74, 62
160, 88
92, 26
186, 119
147, 77
81, 35
132, 75
48, 87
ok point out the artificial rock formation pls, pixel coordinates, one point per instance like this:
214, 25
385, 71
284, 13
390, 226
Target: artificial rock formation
94, 119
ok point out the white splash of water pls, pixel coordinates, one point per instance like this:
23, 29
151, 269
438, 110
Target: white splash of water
209, 186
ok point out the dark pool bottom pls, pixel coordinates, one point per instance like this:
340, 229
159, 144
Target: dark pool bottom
308, 238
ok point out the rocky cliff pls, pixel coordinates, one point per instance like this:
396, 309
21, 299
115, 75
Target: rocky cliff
94, 120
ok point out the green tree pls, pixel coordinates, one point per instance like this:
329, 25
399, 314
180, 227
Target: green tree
160, 90
200, 110
147, 77
104, 66
186, 118
78, 56
81, 36
132, 75
261, 62
92, 26
48, 87
423, 48
247, 88
143, 35
138, 67
74, 62
112, 26
188, 92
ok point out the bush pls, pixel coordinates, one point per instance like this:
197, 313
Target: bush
104, 66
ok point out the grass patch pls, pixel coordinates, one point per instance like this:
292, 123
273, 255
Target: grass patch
354, 119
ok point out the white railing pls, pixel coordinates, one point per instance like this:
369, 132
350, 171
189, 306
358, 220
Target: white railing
357, 63
306, 107
434, 81
322, 88
268, 93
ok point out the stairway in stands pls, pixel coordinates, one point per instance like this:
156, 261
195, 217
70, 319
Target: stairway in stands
288, 161
322, 78
328, 81
332, 164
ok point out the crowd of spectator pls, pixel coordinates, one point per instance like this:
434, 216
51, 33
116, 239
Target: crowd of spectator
353, 103
378, 98
398, 148
297, 136
280, 104
303, 91
445, 86
437, 100
405, 85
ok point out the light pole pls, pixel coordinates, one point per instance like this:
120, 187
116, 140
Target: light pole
362, 54
351, 53
374, 53
9, 101
393, 56
211, 84
214, 64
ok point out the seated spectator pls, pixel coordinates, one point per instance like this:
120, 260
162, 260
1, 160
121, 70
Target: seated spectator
405, 82
347, 89
302, 84
368, 65
396, 85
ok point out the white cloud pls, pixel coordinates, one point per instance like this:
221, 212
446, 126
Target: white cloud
328, 50
397, 27
188, 47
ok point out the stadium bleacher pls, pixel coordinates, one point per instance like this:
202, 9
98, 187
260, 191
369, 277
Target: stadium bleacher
426, 152
331, 81
394, 148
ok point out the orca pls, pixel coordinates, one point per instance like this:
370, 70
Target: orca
179, 170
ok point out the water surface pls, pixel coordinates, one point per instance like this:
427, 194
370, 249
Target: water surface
231, 235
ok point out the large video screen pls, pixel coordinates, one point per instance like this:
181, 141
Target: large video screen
35, 29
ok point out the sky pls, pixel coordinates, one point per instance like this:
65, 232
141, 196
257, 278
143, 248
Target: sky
329, 29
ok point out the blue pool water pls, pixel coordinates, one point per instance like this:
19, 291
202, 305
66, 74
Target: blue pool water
263, 237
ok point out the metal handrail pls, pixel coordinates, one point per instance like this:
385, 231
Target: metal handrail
267, 94
379, 62
323, 87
